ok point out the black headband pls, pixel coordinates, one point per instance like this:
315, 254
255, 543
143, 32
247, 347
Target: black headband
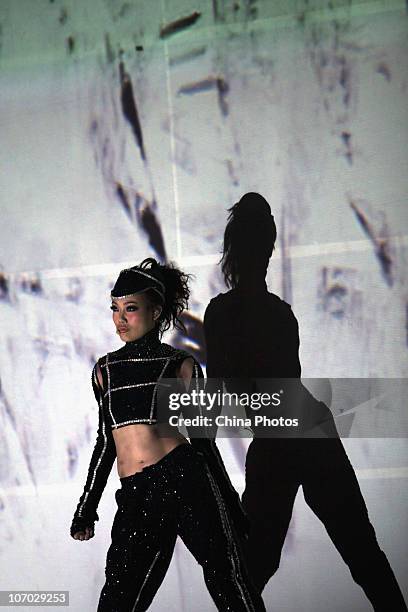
133, 280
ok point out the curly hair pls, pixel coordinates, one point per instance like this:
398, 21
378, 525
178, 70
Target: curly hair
176, 296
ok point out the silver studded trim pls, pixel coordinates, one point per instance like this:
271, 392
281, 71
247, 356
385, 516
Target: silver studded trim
155, 388
108, 393
223, 470
196, 384
145, 580
135, 359
105, 442
148, 276
128, 295
122, 297
245, 596
149, 421
216, 455
153, 278
128, 387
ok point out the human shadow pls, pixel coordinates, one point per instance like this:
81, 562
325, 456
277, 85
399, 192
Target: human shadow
252, 335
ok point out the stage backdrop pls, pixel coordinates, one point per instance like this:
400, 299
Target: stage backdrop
127, 129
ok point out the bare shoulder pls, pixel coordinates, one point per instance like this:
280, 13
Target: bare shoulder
99, 375
185, 370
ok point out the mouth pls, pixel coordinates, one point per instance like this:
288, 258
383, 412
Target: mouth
122, 330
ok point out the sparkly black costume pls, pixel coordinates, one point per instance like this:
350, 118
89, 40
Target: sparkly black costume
186, 493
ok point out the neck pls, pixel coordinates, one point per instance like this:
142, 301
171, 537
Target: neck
252, 283
148, 341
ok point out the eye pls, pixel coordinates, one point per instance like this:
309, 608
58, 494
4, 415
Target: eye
128, 309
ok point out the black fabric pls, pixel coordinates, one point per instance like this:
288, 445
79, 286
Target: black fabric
100, 466
130, 377
134, 280
146, 344
209, 450
137, 362
175, 496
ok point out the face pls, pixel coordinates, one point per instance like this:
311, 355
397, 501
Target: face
134, 316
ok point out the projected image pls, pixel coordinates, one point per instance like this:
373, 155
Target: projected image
129, 130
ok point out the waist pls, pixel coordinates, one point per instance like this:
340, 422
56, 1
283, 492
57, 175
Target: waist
182, 453
138, 446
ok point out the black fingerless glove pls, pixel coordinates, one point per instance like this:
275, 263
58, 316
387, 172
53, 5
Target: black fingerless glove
80, 523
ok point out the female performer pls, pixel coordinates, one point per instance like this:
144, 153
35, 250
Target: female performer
167, 488
253, 334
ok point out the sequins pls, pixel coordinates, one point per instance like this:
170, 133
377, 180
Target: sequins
136, 359
173, 497
146, 421
146, 579
130, 386
133, 374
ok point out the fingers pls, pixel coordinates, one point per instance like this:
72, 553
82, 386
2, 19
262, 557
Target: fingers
87, 534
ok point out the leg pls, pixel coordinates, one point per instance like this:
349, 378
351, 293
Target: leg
270, 490
205, 528
333, 493
143, 539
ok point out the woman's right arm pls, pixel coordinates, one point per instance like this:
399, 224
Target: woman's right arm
103, 456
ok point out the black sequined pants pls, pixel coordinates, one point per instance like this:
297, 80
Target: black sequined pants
175, 496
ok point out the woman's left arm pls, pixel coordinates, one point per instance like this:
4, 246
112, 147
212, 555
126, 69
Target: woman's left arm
192, 378
191, 373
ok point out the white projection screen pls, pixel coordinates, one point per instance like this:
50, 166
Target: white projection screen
127, 130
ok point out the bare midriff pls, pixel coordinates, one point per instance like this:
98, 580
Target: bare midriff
139, 445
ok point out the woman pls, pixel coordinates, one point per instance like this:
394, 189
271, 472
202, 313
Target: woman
253, 334
167, 488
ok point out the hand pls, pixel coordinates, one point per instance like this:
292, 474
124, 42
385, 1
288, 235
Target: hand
86, 534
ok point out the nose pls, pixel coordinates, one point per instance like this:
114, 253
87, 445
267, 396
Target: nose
122, 316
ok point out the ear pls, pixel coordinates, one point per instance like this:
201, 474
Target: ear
157, 310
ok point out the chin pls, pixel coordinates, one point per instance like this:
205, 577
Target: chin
130, 337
